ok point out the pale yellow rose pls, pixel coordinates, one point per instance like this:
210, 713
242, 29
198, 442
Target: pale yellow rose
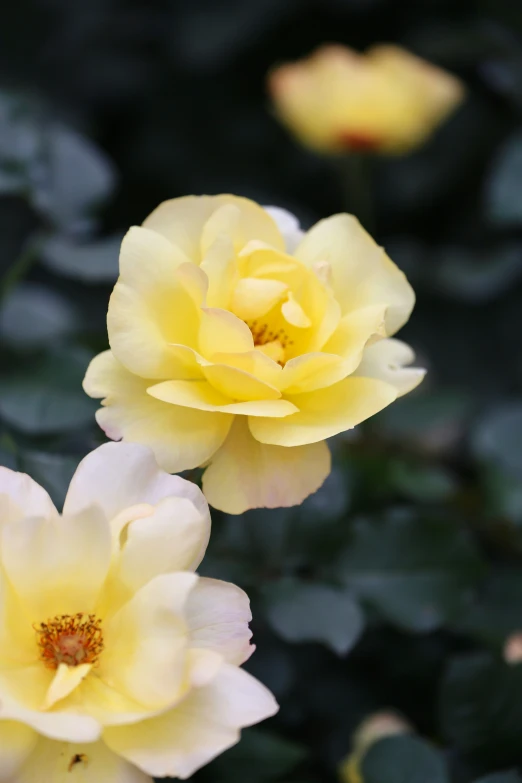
386, 100
241, 343
117, 662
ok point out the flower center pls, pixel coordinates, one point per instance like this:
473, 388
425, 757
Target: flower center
271, 342
70, 639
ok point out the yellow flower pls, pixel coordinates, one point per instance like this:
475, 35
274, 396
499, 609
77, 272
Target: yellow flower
386, 100
117, 662
244, 344
374, 728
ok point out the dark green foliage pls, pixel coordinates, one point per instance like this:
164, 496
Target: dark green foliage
397, 585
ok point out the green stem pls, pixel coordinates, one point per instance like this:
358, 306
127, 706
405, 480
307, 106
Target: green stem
356, 181
20, 268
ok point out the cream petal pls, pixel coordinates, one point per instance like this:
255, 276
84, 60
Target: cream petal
64, 762
65, 726
145, 325
205, 724
173, 538
217, 615
353, 333
386, 360
254, 362
223, 331
254, 297
180, 438
182, 221
363, 275
204, 397
246, 474
239, 385
312, 371
150, 636
288, 225
117, 476
65, 681
21, 497
16, 744
220, 266
57, 566
325, 412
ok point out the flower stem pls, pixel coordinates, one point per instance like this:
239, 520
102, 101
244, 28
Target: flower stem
355, 176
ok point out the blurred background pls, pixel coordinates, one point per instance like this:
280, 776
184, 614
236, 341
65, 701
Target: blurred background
399, 584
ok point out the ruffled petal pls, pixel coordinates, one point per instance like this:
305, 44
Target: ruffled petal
217, 615
205, 724
362, 273
246, 474
325, 412
180, 438
21, 496
203, 396
386, 360
182, 221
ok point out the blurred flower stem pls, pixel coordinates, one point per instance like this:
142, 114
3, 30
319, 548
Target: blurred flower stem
355, 174
19, 269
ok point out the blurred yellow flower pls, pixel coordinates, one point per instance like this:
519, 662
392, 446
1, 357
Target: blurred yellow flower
117, 662
239, 341
372, 729
386, 100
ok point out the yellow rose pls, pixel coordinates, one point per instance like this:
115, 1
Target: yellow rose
117, 662
386, 100
244, 344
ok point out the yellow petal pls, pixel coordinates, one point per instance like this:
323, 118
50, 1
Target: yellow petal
61, 762
312, 371
246, 474
253, 297
203, 396
325, 412
354, 332
255, 362
239, 385
220, 266
58, 565
180, 438
66, 679
205, 724
21, 496
124, 480
294, 313
154, 303
363, 275
146, 642
182, 221
223, 331
385, 360
16, 744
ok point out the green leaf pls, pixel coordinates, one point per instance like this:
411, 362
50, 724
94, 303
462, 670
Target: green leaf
52, 471
403, 760
305, 612
46, 397
34, 315
481, 708
417, 572
498, 611
92, 262
498, 438
259, 757
423, 483
503, 194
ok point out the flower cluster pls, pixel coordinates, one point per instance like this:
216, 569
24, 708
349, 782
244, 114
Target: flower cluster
241, 344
